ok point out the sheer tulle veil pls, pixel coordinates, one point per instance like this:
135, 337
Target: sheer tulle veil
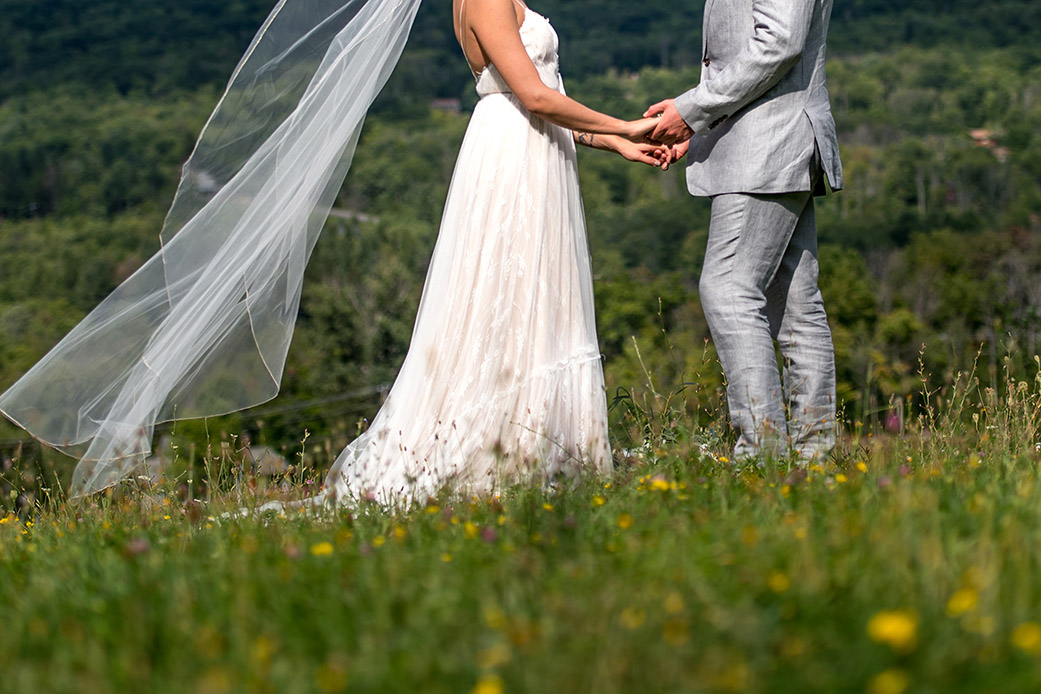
203, 327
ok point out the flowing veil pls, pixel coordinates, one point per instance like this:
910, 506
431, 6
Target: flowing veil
203, 327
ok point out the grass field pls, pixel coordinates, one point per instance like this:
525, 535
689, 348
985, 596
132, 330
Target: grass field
910, 563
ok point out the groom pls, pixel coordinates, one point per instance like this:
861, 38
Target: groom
761, 143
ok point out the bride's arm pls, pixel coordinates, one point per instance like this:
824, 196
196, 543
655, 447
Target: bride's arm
494, 24
652, 155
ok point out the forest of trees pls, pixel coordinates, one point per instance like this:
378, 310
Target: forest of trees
934, 242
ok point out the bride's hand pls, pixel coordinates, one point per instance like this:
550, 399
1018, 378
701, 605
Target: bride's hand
667, 156
642, 152
638, 130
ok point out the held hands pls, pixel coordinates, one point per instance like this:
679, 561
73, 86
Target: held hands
670, 128
639, 146
637, 143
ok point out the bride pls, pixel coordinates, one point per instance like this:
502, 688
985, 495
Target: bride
502, 381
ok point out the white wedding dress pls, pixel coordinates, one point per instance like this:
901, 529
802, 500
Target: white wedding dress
503, 381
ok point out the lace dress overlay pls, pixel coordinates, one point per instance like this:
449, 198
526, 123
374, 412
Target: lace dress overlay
503, 380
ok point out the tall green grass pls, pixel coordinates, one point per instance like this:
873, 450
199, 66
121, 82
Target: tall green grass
911, 562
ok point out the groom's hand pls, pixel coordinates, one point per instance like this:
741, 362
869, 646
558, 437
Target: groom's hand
671, 127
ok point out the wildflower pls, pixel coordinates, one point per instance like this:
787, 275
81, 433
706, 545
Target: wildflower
598, 501
786, 490
488, 684
446, 557
862, 466
778, 582
675, 632
489, 535
891, 681
399, 532
548, 507
963, 601
494, 618
841, 479
378, 541
898, 629
749, 535
1027, 638
433, 509
674, 603
470, 530
262, 649
632, 618
136, 547
322, 549
724, 459
331, 677
659, 484
625, 521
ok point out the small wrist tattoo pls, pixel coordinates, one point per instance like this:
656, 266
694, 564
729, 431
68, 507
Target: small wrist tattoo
585, 139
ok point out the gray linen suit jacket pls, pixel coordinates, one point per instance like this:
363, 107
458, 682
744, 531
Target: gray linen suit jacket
761, 108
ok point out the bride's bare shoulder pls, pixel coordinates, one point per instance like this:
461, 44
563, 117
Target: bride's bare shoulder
469, 12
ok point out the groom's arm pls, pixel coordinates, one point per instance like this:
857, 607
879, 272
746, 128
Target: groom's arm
779, 38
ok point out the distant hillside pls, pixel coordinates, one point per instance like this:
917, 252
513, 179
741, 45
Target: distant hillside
163, 45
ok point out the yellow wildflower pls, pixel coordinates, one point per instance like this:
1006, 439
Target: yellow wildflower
446, 557
598, 501
898, 629
841, 479
862, 466
963, 601
625, 521
494, 617
659, 484
322, 549
749, 535
470, 530
676, 632
674, 603
488, 684
891, 681
548, 507
632, 618
433, 509
778, 582
331, 677
378, 541
1027, 638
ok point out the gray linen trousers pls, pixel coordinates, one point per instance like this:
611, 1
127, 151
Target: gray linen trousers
764, 144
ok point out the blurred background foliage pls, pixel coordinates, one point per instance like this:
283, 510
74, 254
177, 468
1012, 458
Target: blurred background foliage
931, 259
